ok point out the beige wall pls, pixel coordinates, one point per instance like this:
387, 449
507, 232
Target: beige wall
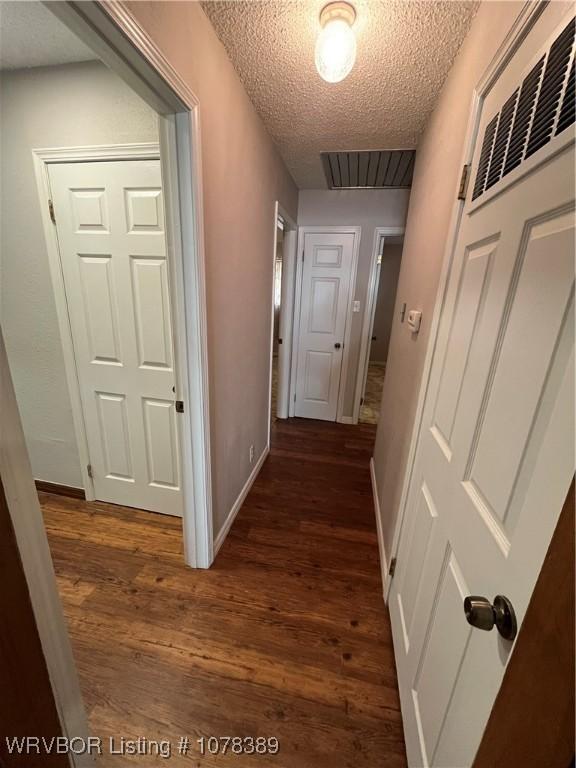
243, 176
385, 301
70, 105
432, 201
366, 209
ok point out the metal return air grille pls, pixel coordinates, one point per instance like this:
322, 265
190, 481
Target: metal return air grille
369, 169
541, 108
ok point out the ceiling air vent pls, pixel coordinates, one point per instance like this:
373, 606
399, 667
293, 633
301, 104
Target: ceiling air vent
541, 108
369, 169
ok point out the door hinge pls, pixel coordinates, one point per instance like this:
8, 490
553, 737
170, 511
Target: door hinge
294, 396
361, 401
379, 259
392, 569
90, 471
51, 211
179, 406
463, 188
302, 255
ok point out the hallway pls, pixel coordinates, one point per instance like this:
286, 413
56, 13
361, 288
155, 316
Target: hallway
286, 636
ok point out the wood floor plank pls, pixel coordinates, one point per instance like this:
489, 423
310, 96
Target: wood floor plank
286, 635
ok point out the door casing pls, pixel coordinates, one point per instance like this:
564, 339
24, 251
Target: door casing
380, 234
286, 308
122, 44
302, 231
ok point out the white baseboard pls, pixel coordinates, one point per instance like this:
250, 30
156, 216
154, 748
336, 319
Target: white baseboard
346, 420
383, 561
239, 501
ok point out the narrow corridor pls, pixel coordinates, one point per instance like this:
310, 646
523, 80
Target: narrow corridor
286, 636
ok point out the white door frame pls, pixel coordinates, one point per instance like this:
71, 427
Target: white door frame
288, 282
117, 38
524, 22
302, 232
370, 312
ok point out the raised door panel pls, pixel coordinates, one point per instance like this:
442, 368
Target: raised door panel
114, 436
468, 307
151, 312
144, 210
534, 318
317, 376
100, 304
415, 562
440, 662
323, 315
90, 212
161, 443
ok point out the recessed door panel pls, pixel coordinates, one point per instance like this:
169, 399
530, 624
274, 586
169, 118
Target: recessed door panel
100, 308
90, 210
317, 376
115, 436
418, 552
144, 210
535, 315
440, 661
152, 312
161, 443
324, 309
469, 303
327, 255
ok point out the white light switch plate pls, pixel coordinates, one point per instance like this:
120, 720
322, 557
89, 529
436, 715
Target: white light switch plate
414, 319
356, 306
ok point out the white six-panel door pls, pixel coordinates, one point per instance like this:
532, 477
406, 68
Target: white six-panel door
111, 235
496, 450
326, 284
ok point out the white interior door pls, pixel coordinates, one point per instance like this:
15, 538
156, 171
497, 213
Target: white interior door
496, 450
326, 284
111, 234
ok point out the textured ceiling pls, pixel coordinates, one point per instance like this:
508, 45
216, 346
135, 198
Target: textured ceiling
405, 50
31, 36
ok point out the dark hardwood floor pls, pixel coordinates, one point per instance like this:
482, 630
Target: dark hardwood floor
286, 635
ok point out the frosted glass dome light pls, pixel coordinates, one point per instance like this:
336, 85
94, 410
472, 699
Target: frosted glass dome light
336, 43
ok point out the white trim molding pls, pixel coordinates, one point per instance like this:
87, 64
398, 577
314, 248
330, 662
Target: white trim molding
288, 277
381, 549
223, 532
524, 22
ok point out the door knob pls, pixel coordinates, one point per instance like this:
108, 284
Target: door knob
337, 345
483, 614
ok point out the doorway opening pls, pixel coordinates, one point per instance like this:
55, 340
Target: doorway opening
382, 302
103, 290
283, 286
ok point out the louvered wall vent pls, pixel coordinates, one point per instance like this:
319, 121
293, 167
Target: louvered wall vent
369, 170
541, 108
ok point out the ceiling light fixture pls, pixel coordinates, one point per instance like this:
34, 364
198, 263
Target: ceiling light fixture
336, 44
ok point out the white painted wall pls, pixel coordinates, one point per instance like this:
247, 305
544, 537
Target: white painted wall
70, 105
367, 209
